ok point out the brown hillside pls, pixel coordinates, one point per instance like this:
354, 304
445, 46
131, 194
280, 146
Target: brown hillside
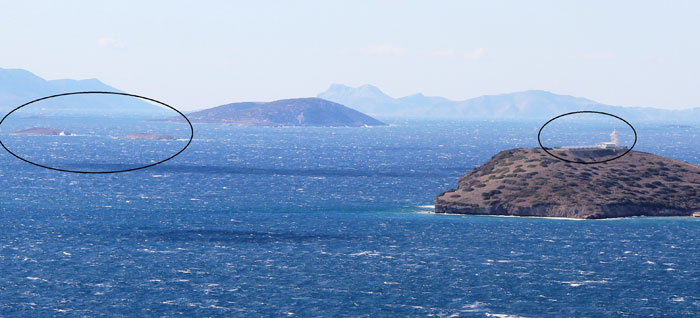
529, 182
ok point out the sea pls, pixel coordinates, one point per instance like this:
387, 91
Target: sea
318, 222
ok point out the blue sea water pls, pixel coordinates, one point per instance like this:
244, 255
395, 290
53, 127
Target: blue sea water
317, 222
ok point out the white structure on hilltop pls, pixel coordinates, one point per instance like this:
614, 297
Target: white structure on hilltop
613, 143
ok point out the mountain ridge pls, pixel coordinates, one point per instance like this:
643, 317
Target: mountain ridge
19, 86
530, 104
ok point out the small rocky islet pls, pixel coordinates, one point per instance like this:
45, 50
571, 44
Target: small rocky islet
148, 136
44, 131
530, 182
40, 131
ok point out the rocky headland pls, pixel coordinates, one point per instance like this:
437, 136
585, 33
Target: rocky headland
529, 182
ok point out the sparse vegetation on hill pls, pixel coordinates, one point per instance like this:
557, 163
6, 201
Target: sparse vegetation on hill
529, 182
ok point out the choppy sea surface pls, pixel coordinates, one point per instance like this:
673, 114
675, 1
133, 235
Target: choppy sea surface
319, 222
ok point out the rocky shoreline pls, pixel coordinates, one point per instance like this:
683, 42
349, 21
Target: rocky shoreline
618, 210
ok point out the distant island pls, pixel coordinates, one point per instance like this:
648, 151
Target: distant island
148, 136
40, 131
529, 182
309, 112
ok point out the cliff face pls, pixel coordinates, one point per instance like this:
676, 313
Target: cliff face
529, 182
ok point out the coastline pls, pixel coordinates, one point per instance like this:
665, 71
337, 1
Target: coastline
547, 217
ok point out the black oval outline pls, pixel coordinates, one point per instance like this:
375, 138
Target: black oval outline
101, 172
589, 112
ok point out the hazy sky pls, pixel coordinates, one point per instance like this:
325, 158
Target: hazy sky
195, 54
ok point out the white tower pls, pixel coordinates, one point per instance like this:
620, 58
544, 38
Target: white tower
614, 138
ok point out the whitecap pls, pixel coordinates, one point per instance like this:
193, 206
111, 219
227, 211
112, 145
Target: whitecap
474, 307
368, 253
678, 299
503, 315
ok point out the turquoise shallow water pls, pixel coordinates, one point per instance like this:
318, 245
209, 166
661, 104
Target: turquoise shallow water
324, 222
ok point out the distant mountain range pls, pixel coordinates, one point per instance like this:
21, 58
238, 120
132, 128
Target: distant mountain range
534, 104
315, 112
18, 87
